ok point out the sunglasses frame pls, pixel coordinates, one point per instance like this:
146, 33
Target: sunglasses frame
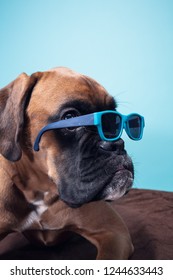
90, 120
124, 125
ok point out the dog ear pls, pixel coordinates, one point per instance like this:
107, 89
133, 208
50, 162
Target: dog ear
14, 98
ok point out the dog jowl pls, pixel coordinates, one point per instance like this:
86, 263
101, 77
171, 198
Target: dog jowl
91, 169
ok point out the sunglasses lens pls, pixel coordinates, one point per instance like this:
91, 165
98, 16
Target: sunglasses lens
111, 125
135, 126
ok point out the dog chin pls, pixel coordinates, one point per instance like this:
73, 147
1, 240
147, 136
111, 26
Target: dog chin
120, 185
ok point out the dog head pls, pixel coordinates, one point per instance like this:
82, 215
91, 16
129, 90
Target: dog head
82, 166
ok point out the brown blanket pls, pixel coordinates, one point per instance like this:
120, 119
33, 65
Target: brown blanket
148, 215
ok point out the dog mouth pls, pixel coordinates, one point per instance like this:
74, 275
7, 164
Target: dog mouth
119, 185
95, 175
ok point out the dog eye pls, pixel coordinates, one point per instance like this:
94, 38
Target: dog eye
70, 115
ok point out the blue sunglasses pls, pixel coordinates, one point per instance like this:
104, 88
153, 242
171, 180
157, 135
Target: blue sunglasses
110, 125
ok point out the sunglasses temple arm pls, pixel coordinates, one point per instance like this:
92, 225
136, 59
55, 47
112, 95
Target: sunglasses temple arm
37, 140
86, 120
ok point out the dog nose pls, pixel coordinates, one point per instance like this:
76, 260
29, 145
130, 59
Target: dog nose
114, 146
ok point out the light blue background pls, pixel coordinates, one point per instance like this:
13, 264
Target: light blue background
126, 45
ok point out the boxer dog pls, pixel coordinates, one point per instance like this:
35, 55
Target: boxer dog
66, 185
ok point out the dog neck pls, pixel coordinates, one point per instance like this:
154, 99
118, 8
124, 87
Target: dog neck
29, 176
